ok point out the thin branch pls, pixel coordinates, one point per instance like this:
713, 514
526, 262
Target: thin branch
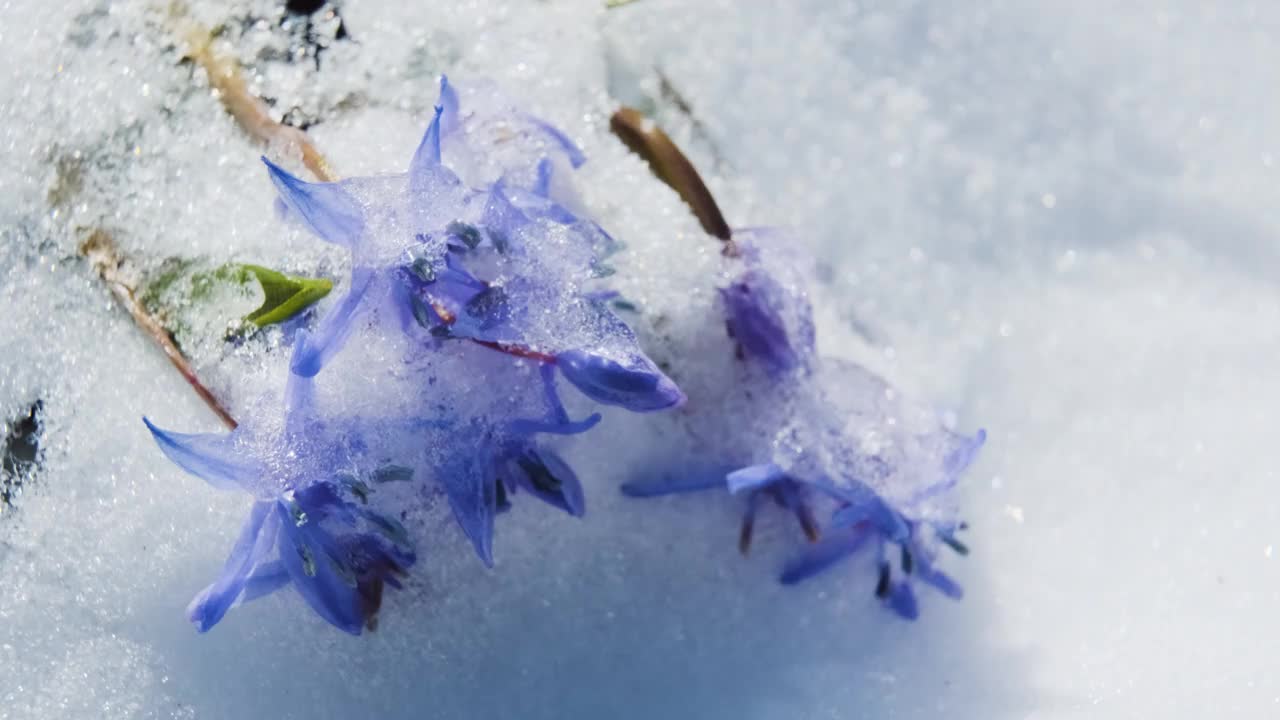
249, 111
100, 250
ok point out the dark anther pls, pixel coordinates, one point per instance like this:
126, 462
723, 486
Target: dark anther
959, 547
540, 476
502, 503
489, 306
748, 523
908, 561
468, 234
744, 535
882, 585
804, 514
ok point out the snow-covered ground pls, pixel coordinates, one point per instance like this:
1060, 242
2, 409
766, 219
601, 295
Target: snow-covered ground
1058, 220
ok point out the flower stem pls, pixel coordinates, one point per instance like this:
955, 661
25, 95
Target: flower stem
100, 250
248, 110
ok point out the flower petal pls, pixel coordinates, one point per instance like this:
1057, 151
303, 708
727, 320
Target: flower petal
902, 600
305, 552
313, 351
264, 580
834, 547
557, 422
326, 208
501, 218
938, 579
207, 608
550, 479
448, 101
427, 155
571, 151
752, 308
954, 464
754, 477
638, 386
473, 498
863, 503
212, 457
963, 456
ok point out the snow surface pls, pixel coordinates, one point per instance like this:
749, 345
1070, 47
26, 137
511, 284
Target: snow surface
1055, 219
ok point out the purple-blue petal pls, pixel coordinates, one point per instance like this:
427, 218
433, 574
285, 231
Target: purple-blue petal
902, 600
473, 498
305, 549
638, 386
264, 580
501, 218
213, 457
448, 101
753, 307
557, 421
213, 602
427, 156
554, 427
960, 458
862, 503
546, 476
314, 350
754, 477
938, 580
326, 208
675, 484
542, 185
831, 549
571, 150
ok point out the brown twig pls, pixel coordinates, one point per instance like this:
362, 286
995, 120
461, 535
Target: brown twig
249, 111
101, 253
671, 166
250, 114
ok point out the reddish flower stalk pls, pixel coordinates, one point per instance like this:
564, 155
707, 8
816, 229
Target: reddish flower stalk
101, 253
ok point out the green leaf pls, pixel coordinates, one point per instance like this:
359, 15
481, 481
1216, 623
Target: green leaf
286, 295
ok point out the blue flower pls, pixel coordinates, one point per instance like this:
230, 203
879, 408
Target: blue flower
769, 318
482, 474
859, 515
825, 439
504, 266
316, 536
863, 516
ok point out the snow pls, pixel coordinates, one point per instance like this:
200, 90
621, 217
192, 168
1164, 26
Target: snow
1055, 221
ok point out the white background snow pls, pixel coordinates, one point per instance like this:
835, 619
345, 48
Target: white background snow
1060, 220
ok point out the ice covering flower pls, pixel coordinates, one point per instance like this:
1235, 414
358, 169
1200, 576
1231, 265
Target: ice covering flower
821, 437
479, 269
478, 242
484, 460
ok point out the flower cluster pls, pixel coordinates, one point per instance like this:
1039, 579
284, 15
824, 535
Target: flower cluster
480, 266
473, 296
822, 437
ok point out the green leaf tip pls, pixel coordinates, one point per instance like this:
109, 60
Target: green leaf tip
285, 295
